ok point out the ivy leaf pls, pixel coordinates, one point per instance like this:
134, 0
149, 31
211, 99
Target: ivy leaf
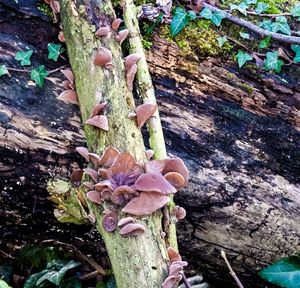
264, 43
38, 75
191, 15
245, 35
296, 49
221, 40
249, 2
282, 27
54, 51
242, 7
284, 273
266, 24
206, 13
261, 7
295, 11
179, 21
243, 57
272, 62
3, 70
217, 17
24, 57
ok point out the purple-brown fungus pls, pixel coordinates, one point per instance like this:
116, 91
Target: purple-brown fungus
99, 121
144, 112
116, 24
110, 221
122, 35
132, 229
102, 31
103, 58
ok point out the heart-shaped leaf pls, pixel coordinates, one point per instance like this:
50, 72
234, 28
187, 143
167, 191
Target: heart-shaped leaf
266, 24
243, 57
296, 49
284, 273
281, 25
24, 57
272, 62
54, 51
3, 70
38, 75
242, 7
217, 17
206, 13
179, 21
264, 43
221, 40
295, 11
261, 7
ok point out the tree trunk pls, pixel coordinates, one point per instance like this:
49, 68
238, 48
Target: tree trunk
238, 134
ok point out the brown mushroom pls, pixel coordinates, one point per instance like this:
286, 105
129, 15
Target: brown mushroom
170, 282
94, 196
110, 221
132, 229
146, 203
88, 185
69, 74
84, 152
91, 172
175, 179
116, 24
102, 31
76, 176
68, 96
144, 112
61, 36
106, 194
98, 109
154, 182
154, 166
130, 76
103, 185
94, 158
123, 194
125, 221
176, 165
102, 173
149, 153
131, 59
99, 121
121, 36
173, 255
103, 57
108, 157
179, 212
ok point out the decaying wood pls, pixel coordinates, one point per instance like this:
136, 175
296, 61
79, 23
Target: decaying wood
238, 134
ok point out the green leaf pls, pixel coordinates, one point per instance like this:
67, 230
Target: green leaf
284, 273
54, 51
249, 2
56, 277
264, 43
266, 24
245, 35
296, 49
191, 15
217, 17
3, 284
24, 57
100, 285
179, 21
206, 13
242, 7
72, 282
272, 62
295, 11
3, 70
261, 7
222, 40
243, 57
38, 75
32, 279
281, 27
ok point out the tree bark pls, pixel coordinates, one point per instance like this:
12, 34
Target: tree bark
237, 132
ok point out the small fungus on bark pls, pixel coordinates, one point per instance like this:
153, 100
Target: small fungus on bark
94, 196
125, 221
102, 31
108, 157
175, 179
91, 172
110, 221
121, 36
144, 112
88, 185
69, 95
130, 76
131, 59
99, 121
122, 195
116, 24
173, 255
76, 176
179, 212
149, 154
98, 109
132, 229
84, 152
103, 58
61, 36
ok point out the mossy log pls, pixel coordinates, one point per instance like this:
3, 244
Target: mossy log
136, 261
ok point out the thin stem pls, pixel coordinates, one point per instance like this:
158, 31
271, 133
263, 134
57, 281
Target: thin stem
268, 15
27, 71
231, 271
185, 281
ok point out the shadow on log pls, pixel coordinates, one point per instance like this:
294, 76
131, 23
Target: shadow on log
237, 132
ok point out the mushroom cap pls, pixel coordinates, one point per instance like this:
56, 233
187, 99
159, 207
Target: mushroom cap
98, 109
61, 36
154, 182
116, 24
144, 112
92, 218
122, 195
69, 74
179, 212
76, 176
103, 173
68, 96
102, 31
94, 158
84, 152
175, 179
106, 194
106, 184
94, 196
132, 229
173, 255
121, 36
108, 157
102, 57
175, 269
154, 166
146, 203
88, 185
176, 165
131, 60
130, 76
110, 221
67, 85
149, 153
99, 121
125, 221
170, 282
124, 170
91, 172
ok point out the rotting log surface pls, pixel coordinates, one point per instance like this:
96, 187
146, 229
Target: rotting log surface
238, 134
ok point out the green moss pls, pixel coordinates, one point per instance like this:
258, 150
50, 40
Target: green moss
45, 9
246, 87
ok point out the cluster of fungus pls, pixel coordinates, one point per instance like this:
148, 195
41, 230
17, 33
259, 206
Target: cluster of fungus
103, 56
68, 95
55, 8
117, 180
